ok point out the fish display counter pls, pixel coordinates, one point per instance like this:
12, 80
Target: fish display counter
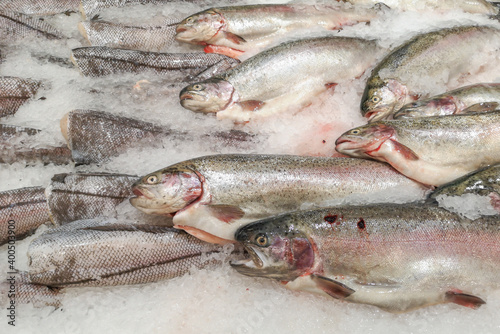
139, 138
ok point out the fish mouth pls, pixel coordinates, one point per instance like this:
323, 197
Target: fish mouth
251, 266
186, 96
180, 29
341, 141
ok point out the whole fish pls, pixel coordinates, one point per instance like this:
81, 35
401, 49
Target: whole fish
290, 74
14, 92
438, 57
473, 98
145, 38
212, 196
100, 61
40, 7
95, 253
15, 25
469, 6
77, 196
22, 211
237, 29
430, 150
21, 144
396, 257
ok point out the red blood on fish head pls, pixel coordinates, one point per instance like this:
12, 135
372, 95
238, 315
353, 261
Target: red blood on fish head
359, 142
167, 191
208, 96
200, 27
276, 251
429, 107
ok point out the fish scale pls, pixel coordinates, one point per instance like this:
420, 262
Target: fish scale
14, 92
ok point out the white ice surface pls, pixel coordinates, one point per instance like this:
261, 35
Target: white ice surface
217, 300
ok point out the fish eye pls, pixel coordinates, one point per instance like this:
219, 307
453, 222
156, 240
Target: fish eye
355, 132
375, 99
197, 87
262, 240
152, 179
189, 20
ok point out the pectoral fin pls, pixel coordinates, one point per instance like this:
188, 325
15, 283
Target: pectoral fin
251, 105
223, 50
226, 213
331, 85
481, 107
405, 151
202, 235
233, 38
464, 299
335, 289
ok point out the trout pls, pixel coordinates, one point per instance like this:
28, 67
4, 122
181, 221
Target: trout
290, 74
473, 98
396, 257
239, 29
441, 57
430, 150
15, 25
211, 196
40, 7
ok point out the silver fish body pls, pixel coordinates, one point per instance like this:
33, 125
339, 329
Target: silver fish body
212, 196
95, 253
18, 287
144, 38
253, 27
440, 56
40, 7
22, 211
14, 26
473, 98
14, 92
100, 61
78, 196
287, 75
396, 257
431, 150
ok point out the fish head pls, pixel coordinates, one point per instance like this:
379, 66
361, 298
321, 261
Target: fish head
167, 191
209, 96
361, 141
277, 250
380, 100
200, 27
428, 107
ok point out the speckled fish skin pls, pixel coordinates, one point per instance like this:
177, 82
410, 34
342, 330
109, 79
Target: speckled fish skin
86, 129
469, 6
473, 98
40, 7
145, 38
438, 56
14, 92
396, 257
290, 74
94, 253
484, 182
212, 196
27, 293
79, 196
255, 26
431, 150
100, 61
16, 145
22, 211
14, 26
